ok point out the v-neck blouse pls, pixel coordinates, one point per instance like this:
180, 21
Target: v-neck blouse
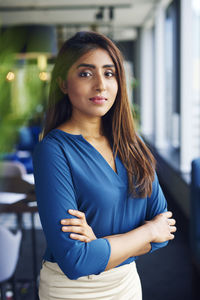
71, 174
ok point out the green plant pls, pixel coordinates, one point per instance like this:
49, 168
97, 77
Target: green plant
22, 93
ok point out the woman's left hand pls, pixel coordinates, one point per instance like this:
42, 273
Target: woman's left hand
78, 226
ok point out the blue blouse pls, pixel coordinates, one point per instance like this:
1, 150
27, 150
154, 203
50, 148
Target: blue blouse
71, 174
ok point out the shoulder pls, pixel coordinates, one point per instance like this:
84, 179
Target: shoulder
50, 154
58, 144
49, 142
52, 144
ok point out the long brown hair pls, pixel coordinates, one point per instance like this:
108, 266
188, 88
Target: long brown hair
118, 122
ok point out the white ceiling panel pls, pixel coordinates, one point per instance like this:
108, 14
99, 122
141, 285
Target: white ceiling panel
63, 3
77, 12
135, 15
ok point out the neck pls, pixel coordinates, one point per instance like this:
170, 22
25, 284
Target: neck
88, 127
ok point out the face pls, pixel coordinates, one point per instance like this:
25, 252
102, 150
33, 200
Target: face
91, 84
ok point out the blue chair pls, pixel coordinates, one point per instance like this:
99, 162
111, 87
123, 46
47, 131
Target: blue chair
28, 138
195, 212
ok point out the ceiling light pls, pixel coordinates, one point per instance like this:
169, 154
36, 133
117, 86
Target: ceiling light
10, 76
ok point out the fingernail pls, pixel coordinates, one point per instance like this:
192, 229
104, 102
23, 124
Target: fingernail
64, 228
70, 210
63, 222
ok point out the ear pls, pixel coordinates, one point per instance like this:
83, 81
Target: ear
62, 84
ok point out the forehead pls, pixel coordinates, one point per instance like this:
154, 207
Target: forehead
98, 57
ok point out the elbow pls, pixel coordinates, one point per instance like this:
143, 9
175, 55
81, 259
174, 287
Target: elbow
85, 259
72, 276
73, 271
73, 264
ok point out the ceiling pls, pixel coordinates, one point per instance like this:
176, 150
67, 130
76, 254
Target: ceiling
122, 17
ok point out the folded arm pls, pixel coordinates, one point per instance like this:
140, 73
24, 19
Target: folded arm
157, 230
133, 243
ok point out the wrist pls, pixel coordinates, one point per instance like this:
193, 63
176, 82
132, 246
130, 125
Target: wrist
151, 231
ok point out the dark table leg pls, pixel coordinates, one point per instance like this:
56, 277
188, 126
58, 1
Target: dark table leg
34, 254
3, 292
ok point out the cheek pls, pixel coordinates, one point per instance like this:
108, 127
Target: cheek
74, 90
114, 89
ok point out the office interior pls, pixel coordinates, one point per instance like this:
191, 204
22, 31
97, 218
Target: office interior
160, 42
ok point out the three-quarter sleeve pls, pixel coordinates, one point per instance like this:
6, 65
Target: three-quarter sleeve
56, 194
156, 204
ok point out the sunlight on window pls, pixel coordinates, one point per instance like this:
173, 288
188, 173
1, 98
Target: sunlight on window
196, 6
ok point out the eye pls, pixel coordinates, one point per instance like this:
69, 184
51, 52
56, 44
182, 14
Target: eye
85, 74
109, 73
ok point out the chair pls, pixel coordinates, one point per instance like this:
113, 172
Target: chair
28, 137
12, 169
195, 212
9, 254
17, 169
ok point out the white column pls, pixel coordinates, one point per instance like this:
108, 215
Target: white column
160, 134
186, 85
146, 82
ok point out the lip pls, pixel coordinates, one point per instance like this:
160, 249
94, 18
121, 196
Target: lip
98, 98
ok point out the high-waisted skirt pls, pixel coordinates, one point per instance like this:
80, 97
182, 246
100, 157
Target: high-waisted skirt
122, 283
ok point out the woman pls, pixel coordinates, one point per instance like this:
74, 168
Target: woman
98, 196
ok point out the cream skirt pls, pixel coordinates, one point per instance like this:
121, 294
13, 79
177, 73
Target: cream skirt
120, 283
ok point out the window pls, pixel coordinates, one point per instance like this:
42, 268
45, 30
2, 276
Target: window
195, 78
172, 76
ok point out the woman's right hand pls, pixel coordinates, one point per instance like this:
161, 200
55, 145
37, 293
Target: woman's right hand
78, 227
162, 227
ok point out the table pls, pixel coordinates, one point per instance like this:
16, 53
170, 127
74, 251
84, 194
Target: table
19, 185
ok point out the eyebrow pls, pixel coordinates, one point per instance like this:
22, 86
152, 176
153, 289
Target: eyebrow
93, 66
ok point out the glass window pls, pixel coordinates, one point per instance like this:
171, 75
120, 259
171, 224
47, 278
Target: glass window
196, 78
172, 76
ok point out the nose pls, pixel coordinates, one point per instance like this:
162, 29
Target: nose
100, 84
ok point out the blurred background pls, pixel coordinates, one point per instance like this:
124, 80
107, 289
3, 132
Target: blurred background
160, 41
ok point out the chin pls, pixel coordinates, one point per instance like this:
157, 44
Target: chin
98, 113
